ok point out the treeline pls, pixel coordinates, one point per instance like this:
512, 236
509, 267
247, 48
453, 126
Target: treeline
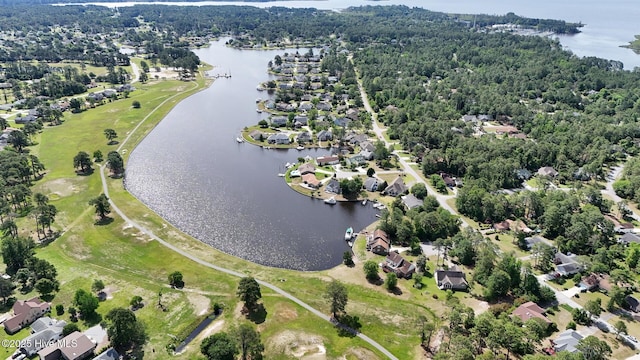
556, 26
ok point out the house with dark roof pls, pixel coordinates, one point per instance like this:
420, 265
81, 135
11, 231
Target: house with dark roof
632, 303
307, 168
590, 282
324, 135
453, 279
397, 264
342, 122
300, 120
358, 138
566, 265
523, 174
26, 312
25, 119
629, 238
530, 310
333, 186
324, 106
532, 240
371, 184
396, 188
368, 146
109, 354
379, 242
278, 121
303, 137
257, 135
279, 138
411, 202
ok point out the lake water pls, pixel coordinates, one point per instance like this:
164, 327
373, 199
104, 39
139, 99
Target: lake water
192, 172
609, 24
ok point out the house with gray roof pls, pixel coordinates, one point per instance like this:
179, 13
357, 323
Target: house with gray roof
279, 138
567, 341
300, 120
324, 106
333, 186
371, 184
629, 238
325, 135
303, 137
109, 354
453, 279
368, 146
547, 171
38, 341
367, 155
396, 188
356, 160
411, 202
278, 121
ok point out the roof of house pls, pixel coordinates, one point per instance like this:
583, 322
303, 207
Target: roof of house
567, 341
307, 168
326, 159
411, 201
41, 324
632, 302
380, 242
311, 179
333, 186
530, 310
35, 342
397, 187
381, 234
395, 258
109, 354
75, 345
547, 171
21, 310
591, 280
370, 183
567, 268
630, 237
455, 277
502, 226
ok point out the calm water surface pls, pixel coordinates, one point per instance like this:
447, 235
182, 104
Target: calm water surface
191, 171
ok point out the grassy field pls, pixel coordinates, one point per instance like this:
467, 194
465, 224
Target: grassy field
130, 263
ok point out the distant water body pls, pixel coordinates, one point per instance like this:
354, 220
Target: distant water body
609, 24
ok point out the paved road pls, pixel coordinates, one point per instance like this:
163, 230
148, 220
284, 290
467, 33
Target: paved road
442, 199
276, 289
608, 190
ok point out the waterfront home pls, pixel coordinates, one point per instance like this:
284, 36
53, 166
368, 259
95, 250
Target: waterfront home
75, 346
452, 279
396, 188
333, 186
279, 138
547, 171
307, 168
278, 121
311, 180
367, 155
26, 312
257, 135
327, 160
379, 243
371, 184
411, 202
397, 264
109, 354
530, 310
303, 137
324, 135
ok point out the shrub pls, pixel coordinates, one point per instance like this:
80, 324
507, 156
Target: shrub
136, 104
59, 309
571, 325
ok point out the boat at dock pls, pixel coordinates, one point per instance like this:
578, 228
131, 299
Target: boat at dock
300, 147
348, 234
330, 201
239, 139
364, 202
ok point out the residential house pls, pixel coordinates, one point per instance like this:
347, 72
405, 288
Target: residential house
42, 324
567, 341
311, 180
485, 117
327, 160
25, 119
278, 121
371, 184
629, 238
397, 264
396, 188
566, 265
342, 122
307, 168
25, 312
469, 118
38, 341
333, 186
632, 303
75, 346
300, 120
109, 354
108, 93
590, 282
448, 180
356, 160
257, 135
279, 138
358, 138
324, 106
523, 174
502, 226
547, 171
303, 137
530, 310
324, 135
352, 114
367, 146
532, 240
411, 202
378, 242
367, 155
453, 279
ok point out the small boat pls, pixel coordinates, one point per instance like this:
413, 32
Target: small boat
364, 202
330, 201
350, 243
348, 234
239, 139
258, 100
300, 147
259, 111
378, 216
281, 175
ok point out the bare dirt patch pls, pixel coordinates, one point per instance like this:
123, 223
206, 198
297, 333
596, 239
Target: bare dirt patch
63, 187
200, 303
109, 290
360, 354
286, 312
298, 345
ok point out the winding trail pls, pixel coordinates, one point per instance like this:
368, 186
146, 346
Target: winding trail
191, 257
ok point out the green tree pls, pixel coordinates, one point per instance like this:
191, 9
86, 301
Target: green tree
392, 281
82, 161
419, 190
248, 340
16, 252
45, 286
18, 140
594, 307
115, 162
421, 263
249, 292
125, 330
110, 134
497, 285
97, 156
370, 270
347, 258
220, 346
101, 203
7, 288
86, 302
337, 296
176, 279
136, 104
620, 327
593, 348
70, 328
136, 302
97, 286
